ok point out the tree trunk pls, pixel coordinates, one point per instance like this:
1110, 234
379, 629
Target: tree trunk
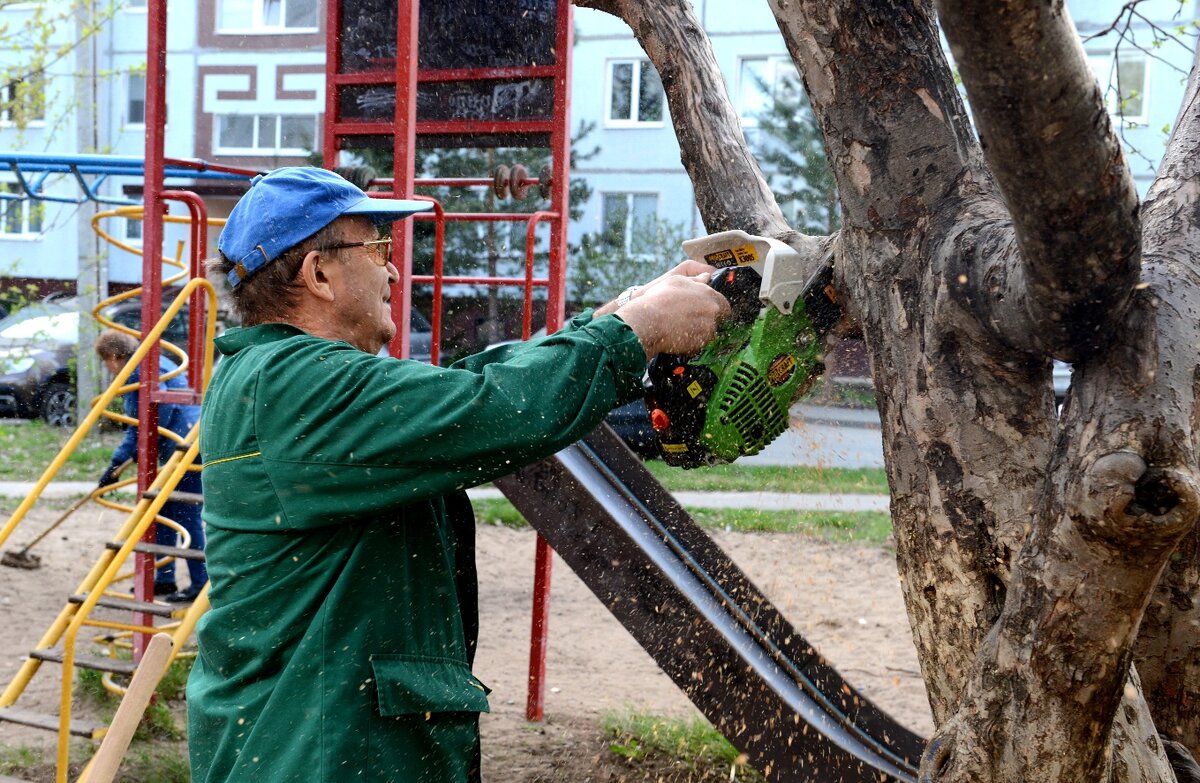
1028, 550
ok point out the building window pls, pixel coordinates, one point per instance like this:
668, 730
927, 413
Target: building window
628, 222
135, 111
23, 100
268, 16
635, 95
278, 134
19, 217
135, 5
1123, 80
761, 82
133, 230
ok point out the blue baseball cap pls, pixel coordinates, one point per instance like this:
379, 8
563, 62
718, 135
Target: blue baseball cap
289, 205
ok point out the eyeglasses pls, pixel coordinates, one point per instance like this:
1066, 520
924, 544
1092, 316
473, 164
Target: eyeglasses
380, 250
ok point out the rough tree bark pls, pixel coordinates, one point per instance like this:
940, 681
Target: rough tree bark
1029, 548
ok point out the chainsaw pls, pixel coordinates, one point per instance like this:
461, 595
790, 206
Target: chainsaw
732, 398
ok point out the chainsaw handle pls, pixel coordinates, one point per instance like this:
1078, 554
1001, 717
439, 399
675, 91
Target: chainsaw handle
741, 286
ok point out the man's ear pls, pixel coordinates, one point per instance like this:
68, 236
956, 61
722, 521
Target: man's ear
313, 275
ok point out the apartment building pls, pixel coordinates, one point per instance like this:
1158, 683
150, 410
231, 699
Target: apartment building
245, 87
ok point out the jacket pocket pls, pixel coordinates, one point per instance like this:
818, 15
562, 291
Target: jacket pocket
412, 684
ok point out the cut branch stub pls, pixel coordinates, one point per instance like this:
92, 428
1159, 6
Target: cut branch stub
1124, 500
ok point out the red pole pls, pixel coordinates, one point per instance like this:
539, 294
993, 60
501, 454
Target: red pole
333, 61
404, 164
437, 278
198, 303
560, 152
152, 244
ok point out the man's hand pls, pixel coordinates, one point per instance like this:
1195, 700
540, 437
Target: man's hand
676, 313
686, 268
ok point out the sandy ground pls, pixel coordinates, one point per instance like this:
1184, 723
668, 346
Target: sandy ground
845, 599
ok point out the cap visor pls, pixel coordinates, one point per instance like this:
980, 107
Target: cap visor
385, 210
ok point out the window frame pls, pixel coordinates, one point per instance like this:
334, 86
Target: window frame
773, 62
259, 150
129, 77
256, 21
130, 236
634, 95
6, 120
26, 206
630, 195
1110, 59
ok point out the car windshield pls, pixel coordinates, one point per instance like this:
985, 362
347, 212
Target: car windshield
59, 327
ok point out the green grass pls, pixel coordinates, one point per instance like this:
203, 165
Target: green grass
770, 478
159, 721
15, 758
27, 447
156, 763
498, 513
694, 744
867, 527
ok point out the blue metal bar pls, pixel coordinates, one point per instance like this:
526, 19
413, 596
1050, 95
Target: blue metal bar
101, 167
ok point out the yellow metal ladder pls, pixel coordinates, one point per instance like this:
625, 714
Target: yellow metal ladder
59, 644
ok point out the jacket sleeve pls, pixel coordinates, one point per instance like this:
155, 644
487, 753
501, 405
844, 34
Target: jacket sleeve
344, 432
127, 448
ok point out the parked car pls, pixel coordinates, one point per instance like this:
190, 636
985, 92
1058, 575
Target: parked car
38, 346
420, 339
1062, 381
631, 422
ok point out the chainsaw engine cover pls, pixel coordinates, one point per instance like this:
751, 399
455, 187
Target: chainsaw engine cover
732, 399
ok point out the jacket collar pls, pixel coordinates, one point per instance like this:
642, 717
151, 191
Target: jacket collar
238, 338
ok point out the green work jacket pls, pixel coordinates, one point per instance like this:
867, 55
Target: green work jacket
341, 543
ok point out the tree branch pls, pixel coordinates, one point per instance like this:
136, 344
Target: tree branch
730, 189
1051, 147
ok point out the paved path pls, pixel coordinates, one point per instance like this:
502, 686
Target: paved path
826, 437
771, 501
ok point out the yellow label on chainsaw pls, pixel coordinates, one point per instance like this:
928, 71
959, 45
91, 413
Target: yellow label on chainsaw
734, 256
675, 448
781, 369
694, 388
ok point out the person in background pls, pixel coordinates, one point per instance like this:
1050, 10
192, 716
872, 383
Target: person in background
114, 349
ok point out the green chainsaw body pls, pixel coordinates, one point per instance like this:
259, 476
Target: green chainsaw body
732, 399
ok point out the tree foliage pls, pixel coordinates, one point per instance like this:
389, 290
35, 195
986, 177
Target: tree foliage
602, 267
791, 150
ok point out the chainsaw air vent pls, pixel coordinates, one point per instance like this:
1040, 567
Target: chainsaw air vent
749, 408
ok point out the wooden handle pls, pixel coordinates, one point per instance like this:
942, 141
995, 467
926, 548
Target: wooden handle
129, 714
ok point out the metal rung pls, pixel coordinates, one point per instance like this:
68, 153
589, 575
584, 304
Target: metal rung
128, 604
177, 497
159, 550
40, 720
88, 662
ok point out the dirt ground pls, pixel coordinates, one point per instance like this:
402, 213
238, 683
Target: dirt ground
843, 598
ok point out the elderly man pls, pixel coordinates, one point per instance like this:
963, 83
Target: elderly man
340, 538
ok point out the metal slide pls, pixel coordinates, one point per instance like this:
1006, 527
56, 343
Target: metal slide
703, 621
